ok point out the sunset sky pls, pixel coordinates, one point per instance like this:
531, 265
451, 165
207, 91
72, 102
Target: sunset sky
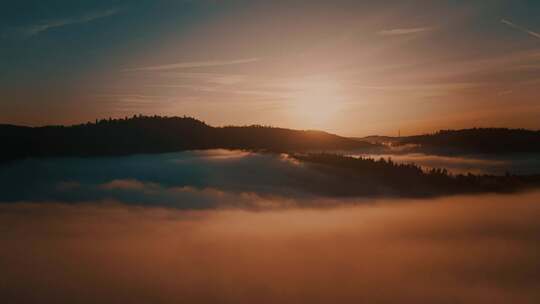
350, 67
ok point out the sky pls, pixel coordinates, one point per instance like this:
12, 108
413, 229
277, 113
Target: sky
349, 67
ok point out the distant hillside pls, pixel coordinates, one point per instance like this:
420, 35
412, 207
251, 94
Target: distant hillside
154, 134
377, 139
369, 177
475, 141
486, 140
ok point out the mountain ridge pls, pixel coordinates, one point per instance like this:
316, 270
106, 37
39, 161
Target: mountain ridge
156, 134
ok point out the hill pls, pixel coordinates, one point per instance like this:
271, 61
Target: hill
473, 141
155, 134
370, 177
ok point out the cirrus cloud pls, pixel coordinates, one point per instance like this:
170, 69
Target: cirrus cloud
404, 31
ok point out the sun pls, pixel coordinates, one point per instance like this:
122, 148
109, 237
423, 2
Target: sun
317, 102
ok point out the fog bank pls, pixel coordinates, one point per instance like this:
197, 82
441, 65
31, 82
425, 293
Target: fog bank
474, 249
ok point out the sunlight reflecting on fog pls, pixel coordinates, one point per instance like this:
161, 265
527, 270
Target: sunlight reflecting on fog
473, 249
475, 164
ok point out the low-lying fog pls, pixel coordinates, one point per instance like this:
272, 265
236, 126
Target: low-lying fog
236, 227
197, 179
478, 249
475, 164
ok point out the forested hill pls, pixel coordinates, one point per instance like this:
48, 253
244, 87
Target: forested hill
154, 134
479, 140
369, 177
475, 141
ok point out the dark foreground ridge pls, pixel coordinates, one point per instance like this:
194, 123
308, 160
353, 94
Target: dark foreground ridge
155, 134
383, 177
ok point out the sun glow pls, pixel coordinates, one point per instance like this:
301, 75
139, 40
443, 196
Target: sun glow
317, 102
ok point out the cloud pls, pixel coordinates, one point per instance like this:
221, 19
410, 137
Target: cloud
194, 64
186, 180
211, 179
221, 90
404, 31
126, 184
470, 249
460, 164
517, 27
425, 89
214, 78
36, 29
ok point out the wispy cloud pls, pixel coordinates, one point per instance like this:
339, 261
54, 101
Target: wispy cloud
220, 79
194, 64
518, 27
222, 90
404, 31
38, 28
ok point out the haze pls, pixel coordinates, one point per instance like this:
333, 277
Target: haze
481, 249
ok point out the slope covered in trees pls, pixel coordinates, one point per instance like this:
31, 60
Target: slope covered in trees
476, 141
370, 177
154, 134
